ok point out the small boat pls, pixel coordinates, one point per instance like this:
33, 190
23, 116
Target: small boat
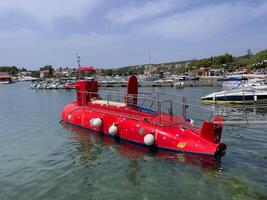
5, 82
258, 84
231, 81
232, 78
178, 84
163, 83
237, 96
128, 119
71, 85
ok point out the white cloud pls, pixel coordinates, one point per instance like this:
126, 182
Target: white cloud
203, 22
198, 31
28, 48
48, 10
129, 14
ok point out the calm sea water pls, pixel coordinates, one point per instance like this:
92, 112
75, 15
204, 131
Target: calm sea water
42, 159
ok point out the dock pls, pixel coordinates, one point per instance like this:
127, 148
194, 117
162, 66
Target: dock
201, 82
61, 84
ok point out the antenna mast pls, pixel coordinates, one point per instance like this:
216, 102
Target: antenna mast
79, 65
149, 57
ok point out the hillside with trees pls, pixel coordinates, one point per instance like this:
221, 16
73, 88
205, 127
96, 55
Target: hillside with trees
226, 61
11, 70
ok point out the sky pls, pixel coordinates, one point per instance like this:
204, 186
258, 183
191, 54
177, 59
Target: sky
115, 33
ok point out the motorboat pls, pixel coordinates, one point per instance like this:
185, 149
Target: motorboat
4, 82
163, 82
256, 83
178, 84
242, 95
231, 81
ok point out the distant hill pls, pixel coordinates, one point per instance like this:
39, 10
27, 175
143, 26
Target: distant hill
226, 61
11, 70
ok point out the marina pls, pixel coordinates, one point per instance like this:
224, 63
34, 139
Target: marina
63, 83
49, 155
133, 100
180, 124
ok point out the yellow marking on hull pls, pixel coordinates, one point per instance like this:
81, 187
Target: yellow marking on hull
181, 145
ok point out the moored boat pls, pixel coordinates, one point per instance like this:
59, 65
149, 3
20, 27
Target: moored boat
127, 119
256, 83
237, 96
178, 84
231, 81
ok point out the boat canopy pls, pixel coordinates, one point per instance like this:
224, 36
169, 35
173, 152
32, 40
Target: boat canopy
86, 69
232, 79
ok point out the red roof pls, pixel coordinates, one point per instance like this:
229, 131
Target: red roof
86, 68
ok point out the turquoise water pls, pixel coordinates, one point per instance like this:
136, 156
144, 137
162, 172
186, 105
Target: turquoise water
42, 159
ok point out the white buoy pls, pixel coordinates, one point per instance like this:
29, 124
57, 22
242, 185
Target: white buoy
149, 139
113, 130
97, 122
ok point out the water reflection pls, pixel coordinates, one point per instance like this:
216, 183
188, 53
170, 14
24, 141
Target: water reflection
255, 110
91, 146
132, 171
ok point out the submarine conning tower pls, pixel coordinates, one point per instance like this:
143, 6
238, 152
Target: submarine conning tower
87, 91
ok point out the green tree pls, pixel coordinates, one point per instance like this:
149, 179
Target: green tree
13, 70
36, 74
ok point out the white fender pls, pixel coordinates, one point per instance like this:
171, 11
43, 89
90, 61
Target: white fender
97, 122
113, 130
149, 139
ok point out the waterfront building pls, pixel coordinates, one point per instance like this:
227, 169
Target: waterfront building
64, 72
44, 73
5, 77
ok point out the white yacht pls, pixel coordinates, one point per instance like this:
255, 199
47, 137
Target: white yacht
237, 96
178, 84
256, 83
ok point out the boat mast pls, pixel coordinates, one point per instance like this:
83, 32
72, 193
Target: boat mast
149, 58
79, 65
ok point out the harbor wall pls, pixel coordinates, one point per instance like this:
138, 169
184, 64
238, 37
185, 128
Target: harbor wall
201, 82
